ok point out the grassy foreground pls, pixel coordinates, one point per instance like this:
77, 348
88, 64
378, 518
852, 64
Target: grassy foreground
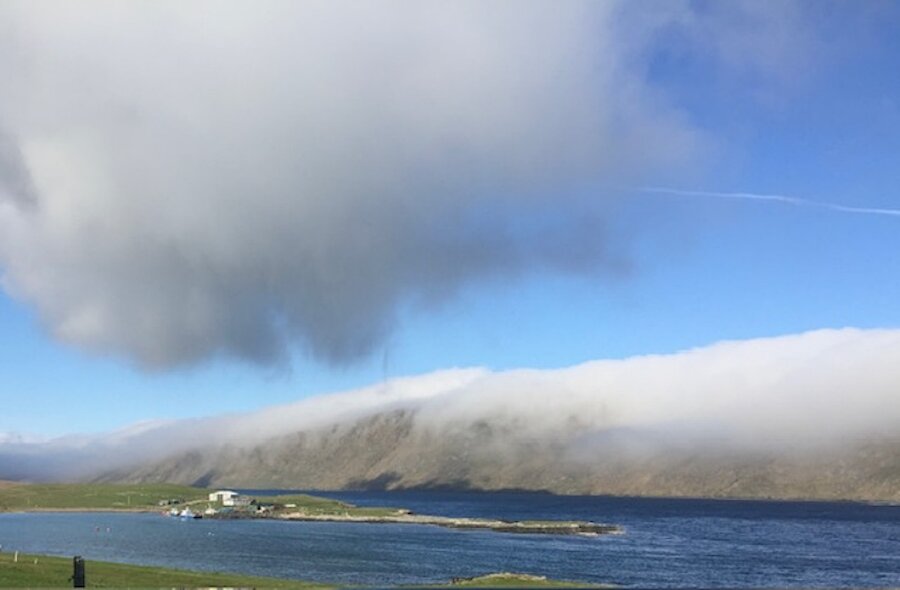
42, 571
19, 497
55, 572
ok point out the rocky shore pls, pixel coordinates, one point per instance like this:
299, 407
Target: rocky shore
549, 527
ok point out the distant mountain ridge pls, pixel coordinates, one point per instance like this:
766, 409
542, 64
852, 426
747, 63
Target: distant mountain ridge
391, 450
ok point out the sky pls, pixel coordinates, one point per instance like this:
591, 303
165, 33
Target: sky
206, 210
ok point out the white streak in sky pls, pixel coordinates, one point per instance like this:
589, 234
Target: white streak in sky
777, 198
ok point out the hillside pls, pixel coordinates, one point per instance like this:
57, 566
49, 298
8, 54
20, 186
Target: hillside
15, 497
392, 450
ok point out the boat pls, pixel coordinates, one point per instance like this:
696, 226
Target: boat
188, 514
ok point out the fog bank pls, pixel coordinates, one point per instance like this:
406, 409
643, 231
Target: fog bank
814, 391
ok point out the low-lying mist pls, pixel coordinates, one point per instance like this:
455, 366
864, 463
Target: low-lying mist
810, 392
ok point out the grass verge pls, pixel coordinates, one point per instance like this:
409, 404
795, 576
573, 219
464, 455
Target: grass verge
42, 571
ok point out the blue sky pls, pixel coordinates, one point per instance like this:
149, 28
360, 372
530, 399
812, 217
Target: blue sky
688, 270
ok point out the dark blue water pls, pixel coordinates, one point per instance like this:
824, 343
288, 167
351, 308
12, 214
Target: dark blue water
668, 543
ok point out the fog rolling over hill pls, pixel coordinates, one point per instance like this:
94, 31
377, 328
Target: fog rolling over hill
389, 451
815, 415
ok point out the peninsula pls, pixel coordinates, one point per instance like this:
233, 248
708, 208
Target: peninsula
202, 503
314, 508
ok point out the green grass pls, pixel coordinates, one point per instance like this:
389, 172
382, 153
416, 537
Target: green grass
93, 496
511, 580
306, 502
50, 572
43, 571
24, 497
325, 506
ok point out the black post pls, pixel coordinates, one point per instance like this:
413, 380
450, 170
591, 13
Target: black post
78, 575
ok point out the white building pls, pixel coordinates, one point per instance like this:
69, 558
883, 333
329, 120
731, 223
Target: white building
224, 496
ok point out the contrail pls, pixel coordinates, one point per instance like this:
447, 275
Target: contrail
777, 198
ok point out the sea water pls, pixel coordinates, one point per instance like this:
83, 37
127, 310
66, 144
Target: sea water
667, 543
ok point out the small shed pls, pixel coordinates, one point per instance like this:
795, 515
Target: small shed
239, 500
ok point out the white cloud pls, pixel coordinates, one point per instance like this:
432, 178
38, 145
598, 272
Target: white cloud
183, 180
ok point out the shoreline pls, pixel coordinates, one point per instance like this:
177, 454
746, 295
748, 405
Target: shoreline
64, 510
579, 528
440, 490
264, 491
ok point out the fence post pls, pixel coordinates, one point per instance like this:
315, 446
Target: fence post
78, 574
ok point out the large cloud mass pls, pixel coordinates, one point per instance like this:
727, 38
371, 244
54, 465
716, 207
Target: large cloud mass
180, 180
